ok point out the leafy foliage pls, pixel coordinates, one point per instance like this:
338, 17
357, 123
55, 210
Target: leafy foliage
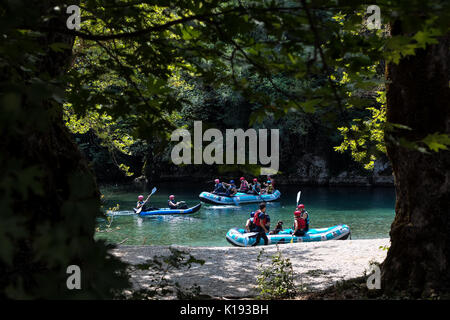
365, 138
277, 280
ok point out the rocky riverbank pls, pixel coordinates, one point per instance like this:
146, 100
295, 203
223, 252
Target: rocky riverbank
231, 272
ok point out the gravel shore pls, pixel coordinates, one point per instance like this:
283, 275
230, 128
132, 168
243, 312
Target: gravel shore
231, 272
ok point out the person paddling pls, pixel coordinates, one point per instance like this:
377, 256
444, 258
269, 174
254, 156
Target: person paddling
219, 188
256, 186
140, 202
144, 204
260, 221
230, 188
176, 205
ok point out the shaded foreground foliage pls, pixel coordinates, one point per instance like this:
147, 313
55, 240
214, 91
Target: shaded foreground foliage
158, 285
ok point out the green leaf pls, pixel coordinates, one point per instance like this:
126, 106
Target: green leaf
437, 141
309, 105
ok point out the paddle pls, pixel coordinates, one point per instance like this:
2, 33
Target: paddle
233, 197
142, 206
258, 194
298, 200
235, 201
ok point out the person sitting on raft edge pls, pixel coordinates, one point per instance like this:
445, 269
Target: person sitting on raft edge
299, 224
278, 228
255, 187
219, 188
244, 188
146, 205
230, 188
301, 208
260, 223
250, 226
176, 205
268, 187
140, 202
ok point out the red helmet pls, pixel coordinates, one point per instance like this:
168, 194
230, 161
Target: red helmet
254, 180
141, 197
301, 206
297, 213
171, 197
242, 178
217, 181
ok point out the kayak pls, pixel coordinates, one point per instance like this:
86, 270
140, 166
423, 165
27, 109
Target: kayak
164, 211
239, 238
238, 198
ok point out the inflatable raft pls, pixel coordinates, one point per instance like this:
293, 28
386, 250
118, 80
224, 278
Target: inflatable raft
239, 198
165, 211
239, 238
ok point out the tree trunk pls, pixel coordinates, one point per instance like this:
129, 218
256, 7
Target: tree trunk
52, 199
418, 96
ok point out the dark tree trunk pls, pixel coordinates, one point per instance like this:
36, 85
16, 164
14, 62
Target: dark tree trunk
55, 219
418, 96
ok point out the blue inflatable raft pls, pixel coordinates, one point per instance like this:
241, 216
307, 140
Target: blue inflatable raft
239, 198
165, 211
239, 238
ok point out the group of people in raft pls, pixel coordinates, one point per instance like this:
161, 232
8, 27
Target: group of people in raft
255, 187
259, 222
220, 188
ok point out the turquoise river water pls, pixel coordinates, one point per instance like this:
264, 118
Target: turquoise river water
368, 211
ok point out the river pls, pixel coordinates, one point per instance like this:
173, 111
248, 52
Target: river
368, 211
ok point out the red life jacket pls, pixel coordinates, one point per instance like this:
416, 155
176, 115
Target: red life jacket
257, 221
244, 186
301, 223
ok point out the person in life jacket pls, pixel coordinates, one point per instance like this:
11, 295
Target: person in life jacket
255, 187
144, 203
260, 221
176, 205
219, 188
244, 188
268, 187
272, 181
230, 188
250, 226
299, 224
301, 208
140, 202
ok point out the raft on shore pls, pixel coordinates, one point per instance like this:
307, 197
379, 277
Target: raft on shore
166, 211
238, 198
239, 238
